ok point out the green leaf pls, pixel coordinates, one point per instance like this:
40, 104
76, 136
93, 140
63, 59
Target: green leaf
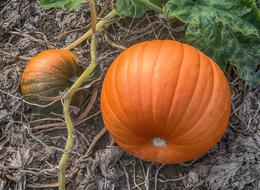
130, 8
226, 30
137, 8
71, 4
240, 15
258, 3
52, 3
68, 4
158, 2
225, 46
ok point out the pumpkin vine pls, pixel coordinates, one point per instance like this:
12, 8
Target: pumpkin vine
68, 96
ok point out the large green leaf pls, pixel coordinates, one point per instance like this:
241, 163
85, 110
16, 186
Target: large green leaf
240, 15
158, 2
225, 46
69, 4
130, 8
226, 30
258, 3
52, 3
137, 8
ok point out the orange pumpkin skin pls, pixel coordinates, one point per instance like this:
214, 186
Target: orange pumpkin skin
165, 101
48, 74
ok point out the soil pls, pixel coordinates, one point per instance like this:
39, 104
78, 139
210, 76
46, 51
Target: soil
31, 143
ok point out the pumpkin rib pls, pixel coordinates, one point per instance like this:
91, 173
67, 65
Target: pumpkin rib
132, 59
36, 86
155, 65
118, 135
156, 153
218, 130
220, 122
184, 120
127, 79
108, 109
118, 124
205, 112
29, 89
135, 56
43, 73
182, 58
142, 49
194, 90
210, 99
192, 86
171, 96
47, 90
132, 148
48, 62
59, 69
106, 98
113, 87
39, 89
139, 74
119, 78
167, 106
75, 69
159, 71
67, 58
42, 82
55, 54
151, 87
70, 70
181, 149
114, 123
197, 148
139, 82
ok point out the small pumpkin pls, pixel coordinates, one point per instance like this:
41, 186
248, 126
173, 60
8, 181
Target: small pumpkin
165, 101
47, 75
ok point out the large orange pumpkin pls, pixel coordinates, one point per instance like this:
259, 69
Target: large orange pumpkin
165, 101
47, 75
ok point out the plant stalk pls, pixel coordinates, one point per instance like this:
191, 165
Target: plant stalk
98, 26
69, 124
68, 96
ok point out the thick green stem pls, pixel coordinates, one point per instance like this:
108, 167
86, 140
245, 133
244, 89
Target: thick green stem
69, 142
151, 5
70, 129
67, 99
88, 34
